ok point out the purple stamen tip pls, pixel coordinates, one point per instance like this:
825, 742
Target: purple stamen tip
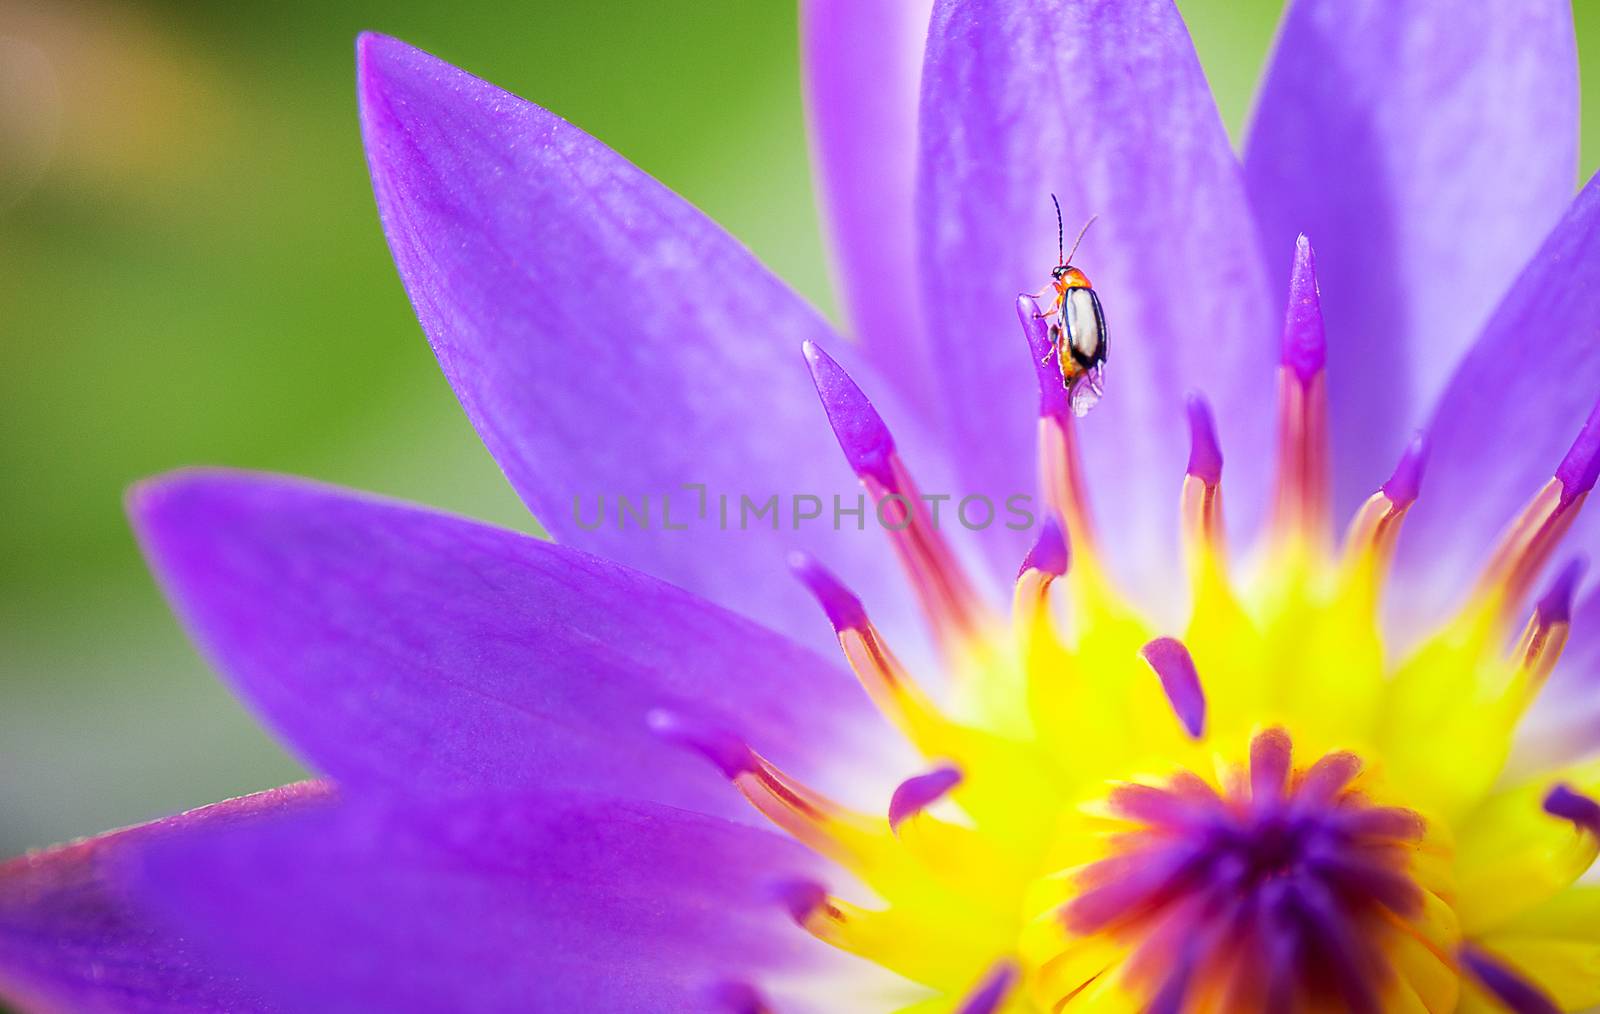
1518, 994
840, 604
1556, 604
1205, 454
1052, 391
719, 746
799, 897
1050, 553
992, 991
1405, 483
1567, 803
919, 792
736, 998
1175, 668
1305, 343
1581, 467
861, 432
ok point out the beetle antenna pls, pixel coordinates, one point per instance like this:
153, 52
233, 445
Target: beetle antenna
1091, 221
1060, 232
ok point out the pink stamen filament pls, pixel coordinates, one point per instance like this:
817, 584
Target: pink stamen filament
1201, 507
889, 684
948, 599
1303, 505
1539, 647
1369, 547
1527, 545
1531, 539
1061, 476
1049, 559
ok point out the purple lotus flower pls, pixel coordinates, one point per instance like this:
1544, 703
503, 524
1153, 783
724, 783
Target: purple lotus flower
1156, 775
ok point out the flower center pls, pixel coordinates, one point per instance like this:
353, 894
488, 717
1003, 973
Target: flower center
1009, 875
1296, 865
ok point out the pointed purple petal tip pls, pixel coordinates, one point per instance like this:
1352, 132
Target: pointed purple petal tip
142, 500
1581, 467
992, 991
1405, 482
1205, 454
840, 604
919, 792
722, 748
1567, 803
1175, 668
799, 897
1555, 606
145, 500
1517, 994
862, 434
1050, 553
1305, 342
377, 53
370, 46
369, 43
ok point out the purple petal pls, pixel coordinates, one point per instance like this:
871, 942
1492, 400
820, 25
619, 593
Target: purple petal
392, 645
1105, 105
1426, 148
515, 902
863, 65
1509, 417
607, 340
72, 939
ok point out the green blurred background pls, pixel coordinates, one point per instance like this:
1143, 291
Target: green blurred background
191, 271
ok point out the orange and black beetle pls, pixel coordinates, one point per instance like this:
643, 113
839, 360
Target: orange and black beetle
1077, 324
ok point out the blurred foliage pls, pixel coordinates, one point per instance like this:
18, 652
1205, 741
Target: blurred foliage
197, 276
191, 271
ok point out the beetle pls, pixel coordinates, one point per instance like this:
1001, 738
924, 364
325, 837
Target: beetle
1077, 323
